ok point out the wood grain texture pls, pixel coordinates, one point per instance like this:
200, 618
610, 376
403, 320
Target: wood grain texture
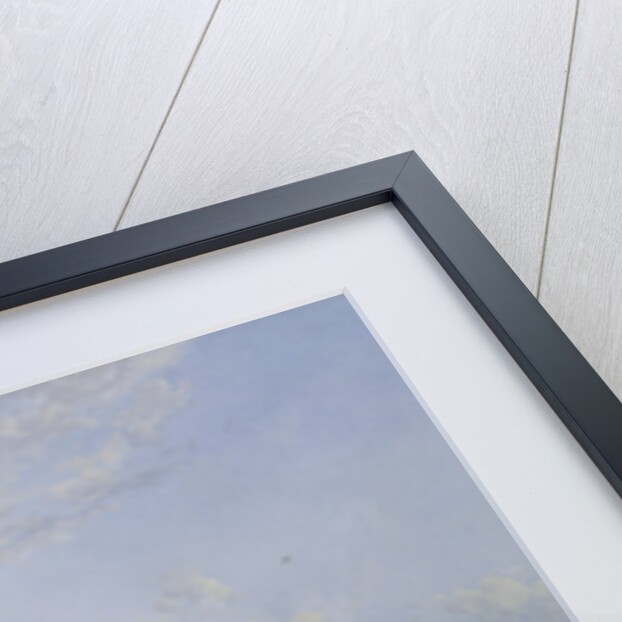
582, 275
282, 91
84, 87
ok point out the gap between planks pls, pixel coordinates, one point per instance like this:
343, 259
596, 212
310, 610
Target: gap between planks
167, 114
547, 218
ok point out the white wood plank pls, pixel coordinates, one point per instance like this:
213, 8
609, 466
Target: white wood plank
582, 276
84, 87
281, 91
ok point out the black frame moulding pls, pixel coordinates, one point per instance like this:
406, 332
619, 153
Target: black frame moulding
581, 399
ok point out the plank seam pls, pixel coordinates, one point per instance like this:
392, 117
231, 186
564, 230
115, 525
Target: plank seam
166, 115
547, 218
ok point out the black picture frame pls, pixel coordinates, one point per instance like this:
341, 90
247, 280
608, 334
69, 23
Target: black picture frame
572, 388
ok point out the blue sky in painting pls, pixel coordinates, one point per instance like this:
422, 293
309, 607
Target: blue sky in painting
278, 471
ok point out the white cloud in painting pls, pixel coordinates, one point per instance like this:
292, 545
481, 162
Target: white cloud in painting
504, 599
190, 595
193, 596
150, 409
308, 616
107, 421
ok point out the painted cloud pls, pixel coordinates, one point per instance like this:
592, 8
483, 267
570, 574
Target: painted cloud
112, 414
278, 471
503, 599
189, 595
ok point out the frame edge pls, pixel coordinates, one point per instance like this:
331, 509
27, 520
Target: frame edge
568, 383
153, 244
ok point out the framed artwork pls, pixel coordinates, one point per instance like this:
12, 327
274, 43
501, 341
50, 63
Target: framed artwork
328, 402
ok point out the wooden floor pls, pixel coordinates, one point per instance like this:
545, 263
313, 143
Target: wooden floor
113, 114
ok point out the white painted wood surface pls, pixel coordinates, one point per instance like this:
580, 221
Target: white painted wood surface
582, 274
282, 91
84, 87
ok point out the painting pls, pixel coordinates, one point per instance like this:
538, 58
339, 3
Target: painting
276, 471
